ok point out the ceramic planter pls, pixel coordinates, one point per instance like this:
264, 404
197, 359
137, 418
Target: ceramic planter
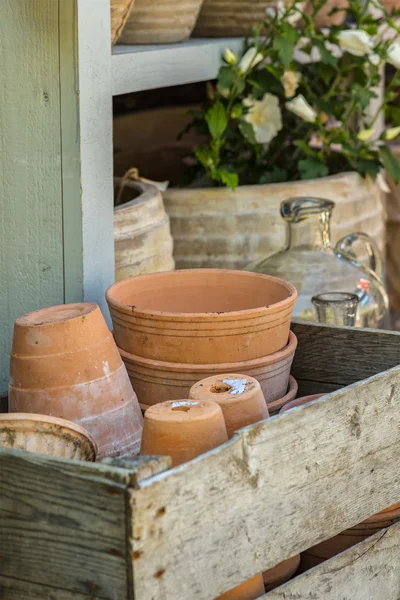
249, 590
300, 402
239, 396
201, 316
160, 22
182, 429
46, 435
281, 573
120, 10
324, 19
142, 237
275, 406
157, 381
65, 363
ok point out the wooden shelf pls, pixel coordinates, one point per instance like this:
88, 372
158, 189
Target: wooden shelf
136, 68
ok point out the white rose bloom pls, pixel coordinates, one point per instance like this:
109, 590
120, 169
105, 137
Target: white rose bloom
391, 133
300, 107
250, 59
230, 57
334, 49
394, 55
365, 134
374, 59
265, 117
306, 58
355, 41
290, 82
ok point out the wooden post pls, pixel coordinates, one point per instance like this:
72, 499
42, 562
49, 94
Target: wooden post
56, 220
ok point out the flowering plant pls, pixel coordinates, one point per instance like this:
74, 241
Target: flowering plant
296, 103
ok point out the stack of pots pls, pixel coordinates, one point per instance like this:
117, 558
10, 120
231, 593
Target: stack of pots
174, 329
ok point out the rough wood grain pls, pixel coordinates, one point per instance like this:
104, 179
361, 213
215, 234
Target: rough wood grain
276, 489
15, 589
342, 355
369, 571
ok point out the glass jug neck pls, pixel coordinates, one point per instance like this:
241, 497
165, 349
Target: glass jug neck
311, 232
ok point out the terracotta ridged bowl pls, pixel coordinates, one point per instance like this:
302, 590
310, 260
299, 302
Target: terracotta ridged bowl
65, 363
158, 381
46, 435
201, 316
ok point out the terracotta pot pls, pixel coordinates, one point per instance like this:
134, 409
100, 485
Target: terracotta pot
275, 406
158, 381
120, 10
183, 429
249, 590
300, 402
323, 18
281, 573
201, 316
46, 435
239, 396
348, 538
64, 363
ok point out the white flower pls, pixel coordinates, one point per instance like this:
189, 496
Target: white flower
382, 183
305, 58
334, 49
300, 107
336, 148
290, 81
250, 59
265, 117
270, 12
374, 59
391, 133
355, 41
365, 134
230, 57
394, 55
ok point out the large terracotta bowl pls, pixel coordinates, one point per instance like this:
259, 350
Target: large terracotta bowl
201, 316
46, 435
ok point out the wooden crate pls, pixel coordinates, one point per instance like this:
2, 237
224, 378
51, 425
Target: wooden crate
132, 529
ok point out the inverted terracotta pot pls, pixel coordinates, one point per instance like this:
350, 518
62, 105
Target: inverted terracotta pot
182, 429
46, 435
239, 396
281, 573
275, 406
300, 402
65, 363
157, 381
249, 590
201, 316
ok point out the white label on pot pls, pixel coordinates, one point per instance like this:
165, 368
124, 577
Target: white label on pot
183, 403
238, 385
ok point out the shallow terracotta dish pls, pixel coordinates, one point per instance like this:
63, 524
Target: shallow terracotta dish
46, 435
275, 406
157, 381
64, 363
201, 316
300, 402
249, 590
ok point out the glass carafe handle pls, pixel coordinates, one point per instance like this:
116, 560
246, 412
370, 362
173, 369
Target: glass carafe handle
345, 246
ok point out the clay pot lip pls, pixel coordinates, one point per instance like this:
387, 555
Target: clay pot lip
234, 367
203, 410
301, 401
200, 316
276, 405
26, 418
32, 319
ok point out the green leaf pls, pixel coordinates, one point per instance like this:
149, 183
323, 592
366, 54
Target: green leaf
390, 163
275, 176
304, 147
394, 115
284, 43
247, 131
217, 120
228, 79
326, 56
228, 178
311, 168
205, 156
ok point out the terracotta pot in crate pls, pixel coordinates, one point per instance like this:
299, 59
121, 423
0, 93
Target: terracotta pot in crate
160, 21
120, 10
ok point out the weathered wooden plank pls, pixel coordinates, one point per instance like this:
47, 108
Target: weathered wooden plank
369, 571
343, 355
18, 589
274, 490
140, 467
63, 524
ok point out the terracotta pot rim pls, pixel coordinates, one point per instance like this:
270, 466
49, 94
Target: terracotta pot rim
23, 321
298, 402
276, 405
234, 367
26, 418
200, 316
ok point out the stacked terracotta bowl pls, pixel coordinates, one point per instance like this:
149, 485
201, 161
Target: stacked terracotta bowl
174, 329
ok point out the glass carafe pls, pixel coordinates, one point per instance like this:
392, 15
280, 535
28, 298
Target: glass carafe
314, 266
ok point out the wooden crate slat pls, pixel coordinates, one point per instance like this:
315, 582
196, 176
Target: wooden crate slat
368, 571
273, 491
342, 355
18, 589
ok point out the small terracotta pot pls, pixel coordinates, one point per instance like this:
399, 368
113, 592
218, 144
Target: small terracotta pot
46, 435
300, 402
275, 406
239, 396
281, 573
249, 590
323, 18
182, 429
157, 381
64, 363
201, 316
